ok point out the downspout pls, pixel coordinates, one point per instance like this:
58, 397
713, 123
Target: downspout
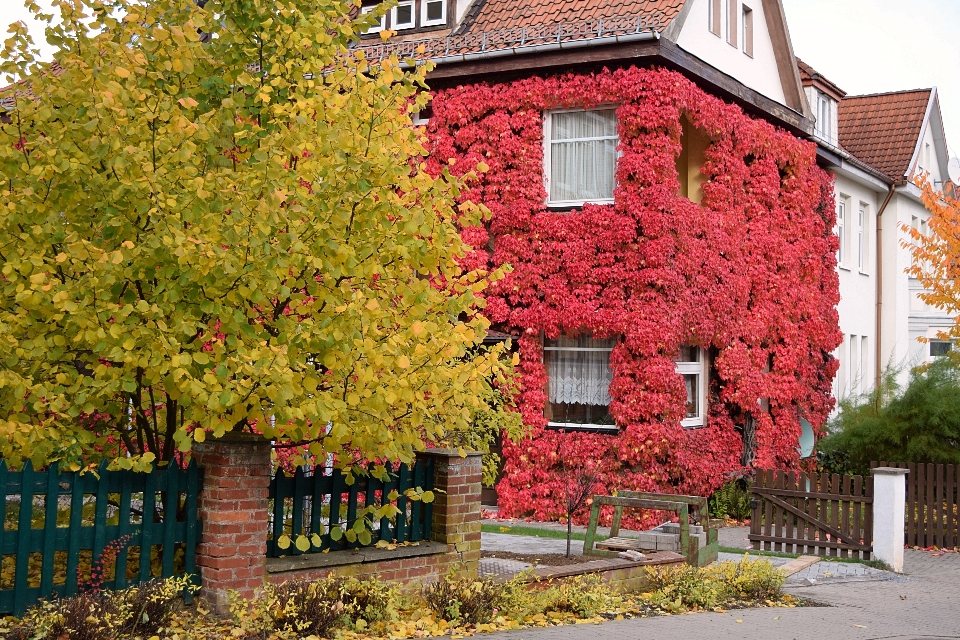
877, 361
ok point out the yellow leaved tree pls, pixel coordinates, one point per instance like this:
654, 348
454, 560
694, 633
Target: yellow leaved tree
216, 219
936, 255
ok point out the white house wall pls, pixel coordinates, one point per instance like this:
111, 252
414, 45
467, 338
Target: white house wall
857, 307
759, 72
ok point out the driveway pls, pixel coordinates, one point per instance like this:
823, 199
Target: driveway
922, 603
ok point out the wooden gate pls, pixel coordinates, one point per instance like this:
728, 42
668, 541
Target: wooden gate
931, 510
827, 515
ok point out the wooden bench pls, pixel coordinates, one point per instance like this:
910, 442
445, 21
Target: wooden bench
681, 505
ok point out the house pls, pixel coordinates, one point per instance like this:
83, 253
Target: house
876, 146
670, 234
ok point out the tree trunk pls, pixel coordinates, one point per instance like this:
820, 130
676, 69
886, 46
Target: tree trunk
569, 532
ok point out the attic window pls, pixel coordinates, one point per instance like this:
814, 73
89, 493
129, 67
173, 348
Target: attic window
748, 30
826, 108
434, 12
733, 13
716, 17
693, 146
403, 15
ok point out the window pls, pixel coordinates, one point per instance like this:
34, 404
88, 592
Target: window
434, 12
854, 365
733, 12
940, 348
861, 238
715, 17
748, 30
581, 156
378, 27
403, 16
864, 353
579, 381
841, 229
924, 231
691, 364
824, 125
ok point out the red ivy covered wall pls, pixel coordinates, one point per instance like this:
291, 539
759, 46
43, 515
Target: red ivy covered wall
748, 274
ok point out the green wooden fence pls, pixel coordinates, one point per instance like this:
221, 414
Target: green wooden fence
56, 524
314, 502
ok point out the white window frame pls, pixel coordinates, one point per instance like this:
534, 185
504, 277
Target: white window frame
841, 230
715, 17
933, 341
576, 426
547, 155
424, 22
699, 369
747, 28
824, 124
383, 20
413, 15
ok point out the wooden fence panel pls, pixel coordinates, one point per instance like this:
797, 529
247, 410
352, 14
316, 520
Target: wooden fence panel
812, 514
58, 523
313, 503
932, 502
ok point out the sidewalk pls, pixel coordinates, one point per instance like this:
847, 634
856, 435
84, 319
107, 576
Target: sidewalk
924, 603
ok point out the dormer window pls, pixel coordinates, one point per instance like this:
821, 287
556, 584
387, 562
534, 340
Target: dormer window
403, 16
411, 15
826, 111
434, 12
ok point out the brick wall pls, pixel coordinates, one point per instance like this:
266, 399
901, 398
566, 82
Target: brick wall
234, 509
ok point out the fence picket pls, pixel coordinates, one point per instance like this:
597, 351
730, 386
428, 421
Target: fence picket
51, 502
76, 521
24, 532
147, 524
950, 526
336, 489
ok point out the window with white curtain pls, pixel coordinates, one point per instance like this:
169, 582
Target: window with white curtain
580, 156
579, 375
692, 365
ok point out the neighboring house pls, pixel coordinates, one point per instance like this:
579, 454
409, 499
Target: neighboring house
669, 232
875, 146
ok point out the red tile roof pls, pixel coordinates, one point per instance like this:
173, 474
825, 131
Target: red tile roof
883, 129
492, 15
24, 88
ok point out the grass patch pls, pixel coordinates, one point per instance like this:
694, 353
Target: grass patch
535, 532
876, 564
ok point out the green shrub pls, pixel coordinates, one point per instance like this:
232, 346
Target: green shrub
749, 579
139, 611
306, 608
584, 596
918, 424
680, 587
463, 601
370, 600
732, 500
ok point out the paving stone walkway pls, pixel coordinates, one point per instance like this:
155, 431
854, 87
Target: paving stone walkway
861, 604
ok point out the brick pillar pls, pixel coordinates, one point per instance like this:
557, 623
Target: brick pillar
456, 507
234, 510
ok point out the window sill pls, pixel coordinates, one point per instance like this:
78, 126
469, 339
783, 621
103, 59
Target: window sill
595, 428
864, 273
693, 423
573, 204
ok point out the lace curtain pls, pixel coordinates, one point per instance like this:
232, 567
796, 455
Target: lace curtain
579, 370
583, 155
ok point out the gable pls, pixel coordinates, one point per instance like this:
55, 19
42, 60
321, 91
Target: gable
747, 40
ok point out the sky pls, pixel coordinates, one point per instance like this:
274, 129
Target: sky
874, 46
863, 46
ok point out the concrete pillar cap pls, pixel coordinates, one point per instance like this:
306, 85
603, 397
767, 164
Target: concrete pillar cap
889, 471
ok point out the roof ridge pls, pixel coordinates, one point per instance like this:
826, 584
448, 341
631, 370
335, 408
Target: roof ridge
889, 93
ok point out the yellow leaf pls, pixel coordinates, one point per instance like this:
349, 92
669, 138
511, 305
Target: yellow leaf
283, 541
303, 543
199, 435
403, 362
120, 71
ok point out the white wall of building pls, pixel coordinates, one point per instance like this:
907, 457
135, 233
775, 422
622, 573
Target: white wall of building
857, 307
759, 72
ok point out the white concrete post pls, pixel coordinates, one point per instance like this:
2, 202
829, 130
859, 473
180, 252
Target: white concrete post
889, 507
